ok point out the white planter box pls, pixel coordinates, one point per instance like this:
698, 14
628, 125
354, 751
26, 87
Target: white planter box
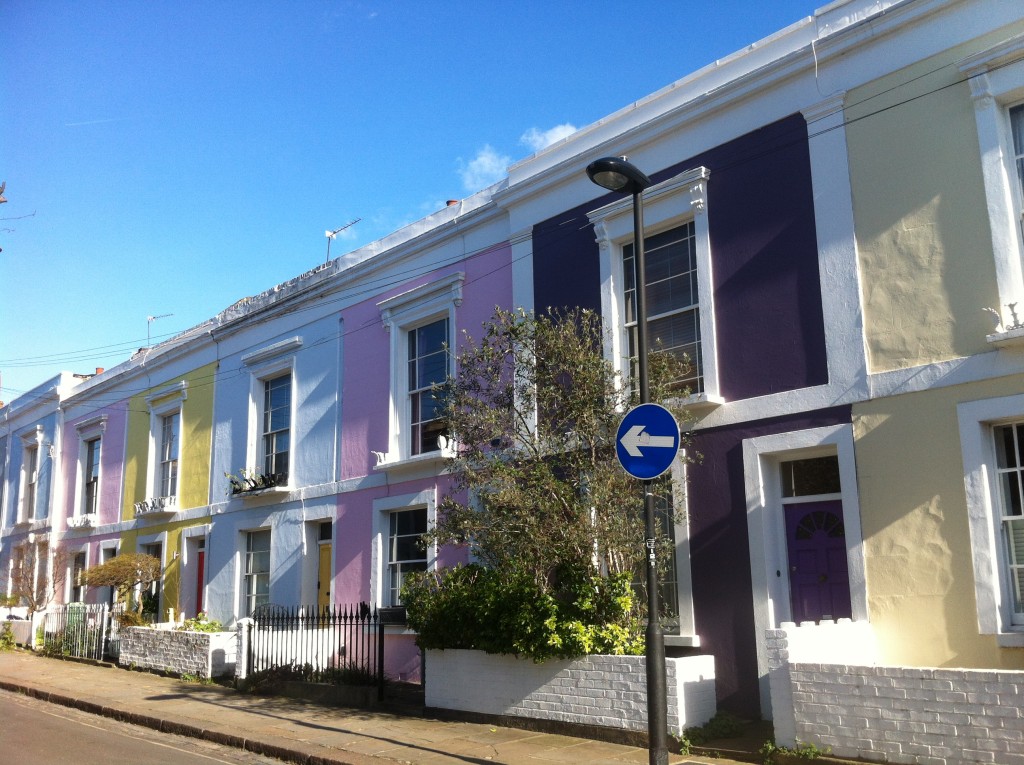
203, 654
608, 691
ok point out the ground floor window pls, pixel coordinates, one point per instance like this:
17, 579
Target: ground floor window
257, 570
406, 551
77, 575
1009, 441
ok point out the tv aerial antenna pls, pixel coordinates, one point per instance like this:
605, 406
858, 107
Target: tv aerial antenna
332, 234
149, 323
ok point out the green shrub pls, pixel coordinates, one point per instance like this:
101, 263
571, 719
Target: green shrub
131, 619
201, 623
770, 750
7, 638
479, 608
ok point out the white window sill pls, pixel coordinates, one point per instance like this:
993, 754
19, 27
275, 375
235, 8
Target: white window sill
82, 521
1010, 338
1011, 639
386, 463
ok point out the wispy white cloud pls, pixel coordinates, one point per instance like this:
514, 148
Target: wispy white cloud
540, 139
487, 167
94, 122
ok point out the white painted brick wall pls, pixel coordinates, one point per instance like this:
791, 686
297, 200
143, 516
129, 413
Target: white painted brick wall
204, 654
896, 714
610, 691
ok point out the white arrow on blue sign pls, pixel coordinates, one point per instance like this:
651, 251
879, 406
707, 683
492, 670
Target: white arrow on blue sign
647, 441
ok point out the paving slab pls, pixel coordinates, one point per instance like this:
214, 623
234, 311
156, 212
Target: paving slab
296, 730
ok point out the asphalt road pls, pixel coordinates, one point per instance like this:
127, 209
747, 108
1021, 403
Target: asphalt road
35, 732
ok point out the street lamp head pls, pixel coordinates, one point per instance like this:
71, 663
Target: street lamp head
616, 174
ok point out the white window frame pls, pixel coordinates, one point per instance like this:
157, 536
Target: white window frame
996, 77
147, 540
71, 586
276, 360
162, 404
245, 598
766, 528
31, 443
686, 633
89, 430
672, 203
382, 510
400, 315
993, 597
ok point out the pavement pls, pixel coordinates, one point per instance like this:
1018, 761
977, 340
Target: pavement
301, 731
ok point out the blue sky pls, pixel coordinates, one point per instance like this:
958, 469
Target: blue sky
174, 157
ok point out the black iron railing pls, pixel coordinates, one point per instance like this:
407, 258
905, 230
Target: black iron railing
342, 645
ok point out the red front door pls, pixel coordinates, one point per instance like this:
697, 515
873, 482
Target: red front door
819, 579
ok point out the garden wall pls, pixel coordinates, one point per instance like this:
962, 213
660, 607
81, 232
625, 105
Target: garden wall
605, 691
893, 714
203, 654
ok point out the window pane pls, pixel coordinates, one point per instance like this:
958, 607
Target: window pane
672, 298
801, 478
1017, 130
1006, 452
1010, 485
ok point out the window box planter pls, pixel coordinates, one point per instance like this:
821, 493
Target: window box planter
253, 481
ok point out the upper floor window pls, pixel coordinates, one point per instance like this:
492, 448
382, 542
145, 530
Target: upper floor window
91, 477
1017, 135
276, 426
428, 366
269, 458
680, 298
421, 322
170, 426
164, 452
30, 480
673, 305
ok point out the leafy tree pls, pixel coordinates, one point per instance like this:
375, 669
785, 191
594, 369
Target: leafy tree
125, 573
538, 495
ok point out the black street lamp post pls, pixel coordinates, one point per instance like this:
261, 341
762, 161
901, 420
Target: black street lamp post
618, 175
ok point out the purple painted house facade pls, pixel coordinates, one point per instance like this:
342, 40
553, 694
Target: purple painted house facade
770, 338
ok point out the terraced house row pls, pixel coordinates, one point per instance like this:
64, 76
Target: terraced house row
834, 237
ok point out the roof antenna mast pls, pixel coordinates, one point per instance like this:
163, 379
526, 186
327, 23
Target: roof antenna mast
331, 234
149, 323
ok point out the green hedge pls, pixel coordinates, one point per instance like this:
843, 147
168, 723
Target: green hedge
478, 608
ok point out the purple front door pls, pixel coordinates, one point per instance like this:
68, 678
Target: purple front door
819, 580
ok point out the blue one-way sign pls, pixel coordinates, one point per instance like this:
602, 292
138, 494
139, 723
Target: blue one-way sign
647, 441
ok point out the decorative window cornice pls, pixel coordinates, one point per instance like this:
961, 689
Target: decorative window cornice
290, 345
92, 425
178, 392
443, 291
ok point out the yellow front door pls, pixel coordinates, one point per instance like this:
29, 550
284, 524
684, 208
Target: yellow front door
323, 583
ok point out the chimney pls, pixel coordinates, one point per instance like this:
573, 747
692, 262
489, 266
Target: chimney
99, 370
451, 202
